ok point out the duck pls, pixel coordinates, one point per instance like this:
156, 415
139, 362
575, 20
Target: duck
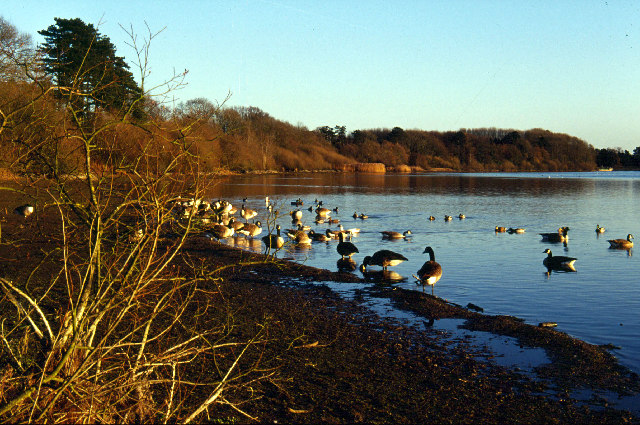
448, 218
251, 229
560, 236
299, 237
247, 213
500, 229
355, 214
431, 218
387, 234
621, 243
430, 272
557, 262
384, 258
599, 229
462, 216
512, 230
363, 216
345, 249
24, 210
274, 241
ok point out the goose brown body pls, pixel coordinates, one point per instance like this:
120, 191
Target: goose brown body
621, 243
431, 271
384, 258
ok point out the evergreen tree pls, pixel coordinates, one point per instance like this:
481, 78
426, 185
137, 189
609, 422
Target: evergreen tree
84, 64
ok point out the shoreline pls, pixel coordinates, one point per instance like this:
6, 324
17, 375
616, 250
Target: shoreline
329, 359
574, 365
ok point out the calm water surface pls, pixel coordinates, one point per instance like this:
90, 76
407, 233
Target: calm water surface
503, 273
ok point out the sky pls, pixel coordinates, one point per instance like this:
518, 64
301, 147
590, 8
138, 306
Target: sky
565, 66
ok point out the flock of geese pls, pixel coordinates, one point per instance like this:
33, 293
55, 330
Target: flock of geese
219, 216
302, 235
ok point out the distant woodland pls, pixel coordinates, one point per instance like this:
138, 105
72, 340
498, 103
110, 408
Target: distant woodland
41, 116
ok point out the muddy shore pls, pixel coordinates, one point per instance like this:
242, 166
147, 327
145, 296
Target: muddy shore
348, 365
330, 360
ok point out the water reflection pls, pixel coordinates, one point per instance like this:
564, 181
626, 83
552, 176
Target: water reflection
382, 276
346, 264
497, 270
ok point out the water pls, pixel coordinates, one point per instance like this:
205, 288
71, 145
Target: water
503, 273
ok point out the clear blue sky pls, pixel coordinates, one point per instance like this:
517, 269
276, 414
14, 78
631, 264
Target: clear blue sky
566, 66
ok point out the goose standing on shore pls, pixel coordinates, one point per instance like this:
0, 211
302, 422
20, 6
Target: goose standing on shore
621, 243
384, 258
430, 272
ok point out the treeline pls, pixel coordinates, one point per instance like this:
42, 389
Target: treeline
36, 125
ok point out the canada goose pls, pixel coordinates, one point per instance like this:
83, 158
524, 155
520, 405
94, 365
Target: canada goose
250, 229
323, 212
225, 207
345, 249
512, 230
430, 272
299, 226
266, 201
431, 218
363, 216
247, 213
621, 243
599, 229
384, 258
333, 221
557, 262
448, 218
500, 229
387, 234
299, 237
462, 216
333, 234
24, 210
235, 225
319, 220
296, 214
274, 241
335, 210
560, 236
319, 237
355, 215
220, 231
